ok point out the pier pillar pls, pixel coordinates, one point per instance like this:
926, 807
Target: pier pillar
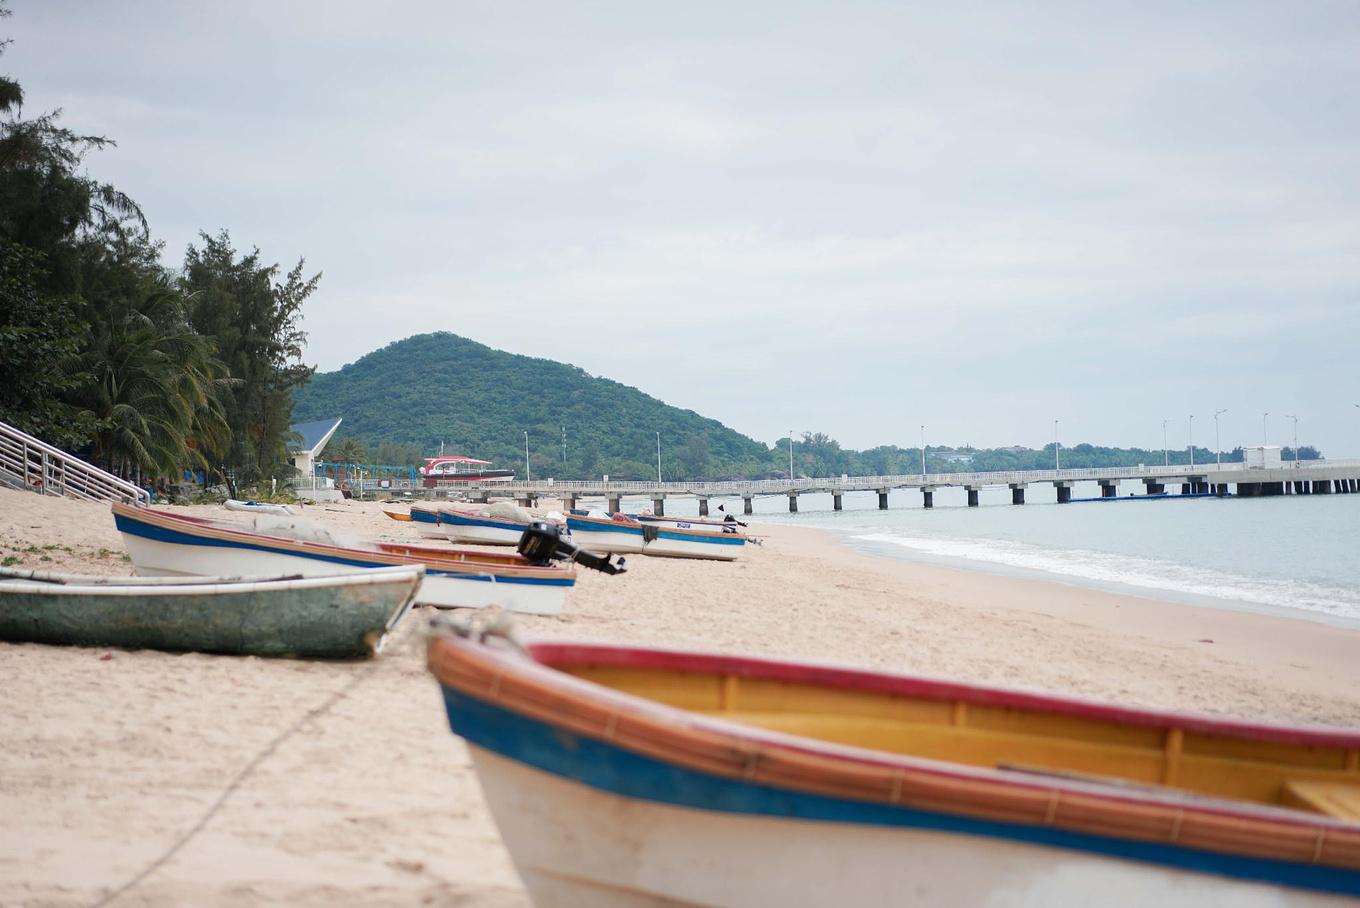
1320, 487
703, 507
614, 504
525, 502
659, 506
972, 497
883, 499
1017, 493
1108, 489
569, 502
1221, 489
1185, 488
1153, 488
1355, 485
836, 501
1336, 486
793, 502
928, 498
479, 498
1064, 489
748, 504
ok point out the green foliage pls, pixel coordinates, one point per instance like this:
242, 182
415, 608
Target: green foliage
39, 337
435, 388
254, 321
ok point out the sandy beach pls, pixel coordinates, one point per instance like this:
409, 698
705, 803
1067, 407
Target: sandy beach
339, 783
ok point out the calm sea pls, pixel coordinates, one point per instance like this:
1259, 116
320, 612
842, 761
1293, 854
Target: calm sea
1296, 556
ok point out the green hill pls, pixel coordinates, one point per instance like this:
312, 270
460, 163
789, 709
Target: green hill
440, 387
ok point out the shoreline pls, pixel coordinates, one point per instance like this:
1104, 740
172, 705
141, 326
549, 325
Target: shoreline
109, 756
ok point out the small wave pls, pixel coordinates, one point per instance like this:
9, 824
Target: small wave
1130, 570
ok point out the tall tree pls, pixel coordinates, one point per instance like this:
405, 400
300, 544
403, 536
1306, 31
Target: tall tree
254, 319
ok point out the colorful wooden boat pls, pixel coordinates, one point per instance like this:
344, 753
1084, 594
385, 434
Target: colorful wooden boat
499, 523
621, 533
342, 616
164, 543
425, 517
397, 515
626, 776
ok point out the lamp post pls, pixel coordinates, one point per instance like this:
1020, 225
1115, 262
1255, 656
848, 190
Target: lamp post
1265, 431
923, 453
1296, 439
1218, 448
1192, 440
658, 456
1166, 457
527, 477
564, 450
790, 455
1057, 462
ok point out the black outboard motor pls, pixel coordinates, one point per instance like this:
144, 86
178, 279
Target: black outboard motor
542, 543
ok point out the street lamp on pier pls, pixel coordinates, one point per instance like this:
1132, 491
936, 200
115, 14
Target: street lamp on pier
658, 456
1218, 448
564, 450
527, 477
1057, 461
1265, 431
1192, 440
790, 455
923, 453
1166, 457
1296, 438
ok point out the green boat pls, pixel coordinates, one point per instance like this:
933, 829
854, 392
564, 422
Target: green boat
336, 617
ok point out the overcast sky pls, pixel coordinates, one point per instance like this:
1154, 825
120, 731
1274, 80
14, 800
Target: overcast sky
848, 218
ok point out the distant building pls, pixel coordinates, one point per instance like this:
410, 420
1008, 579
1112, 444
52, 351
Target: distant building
1016, 449
950, 455
310, 440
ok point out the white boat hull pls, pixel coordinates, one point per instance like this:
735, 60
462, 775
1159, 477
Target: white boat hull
578, 847
669, 547
479, 535
607, 541
153, 557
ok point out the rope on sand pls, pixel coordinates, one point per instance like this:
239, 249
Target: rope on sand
314, 713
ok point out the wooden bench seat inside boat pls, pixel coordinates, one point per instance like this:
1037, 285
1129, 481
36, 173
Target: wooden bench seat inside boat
1336, 799
1303, 776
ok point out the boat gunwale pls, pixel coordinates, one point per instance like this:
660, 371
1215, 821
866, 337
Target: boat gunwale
686, 535
464, 563
542, 691
89, 585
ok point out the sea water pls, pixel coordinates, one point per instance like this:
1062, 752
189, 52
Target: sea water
1289, 555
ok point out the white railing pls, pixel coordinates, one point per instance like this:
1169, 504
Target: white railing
35, 465
869, 483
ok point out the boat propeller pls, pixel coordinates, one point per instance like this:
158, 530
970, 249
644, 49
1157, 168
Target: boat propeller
542, 543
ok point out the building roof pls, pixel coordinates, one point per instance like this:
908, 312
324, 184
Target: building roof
314, 435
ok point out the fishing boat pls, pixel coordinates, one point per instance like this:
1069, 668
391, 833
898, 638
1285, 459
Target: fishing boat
341, 616
629, 776
621, 533
256, 507
451, 470
498, 523
162, 543
425, 518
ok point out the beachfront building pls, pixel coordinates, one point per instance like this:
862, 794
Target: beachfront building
309, 439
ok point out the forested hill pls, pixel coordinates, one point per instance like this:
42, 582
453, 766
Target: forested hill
478, 401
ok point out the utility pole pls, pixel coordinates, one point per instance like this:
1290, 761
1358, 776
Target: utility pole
1218, 448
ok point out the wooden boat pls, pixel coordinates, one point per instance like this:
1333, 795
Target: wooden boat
342, 616
499, 523
256, 507
425, 517
621, 533
164, 543
626, 776
397, 515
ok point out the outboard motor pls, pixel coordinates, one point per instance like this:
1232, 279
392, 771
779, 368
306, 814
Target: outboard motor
542, 543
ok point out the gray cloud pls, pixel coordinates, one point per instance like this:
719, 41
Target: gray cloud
848, 218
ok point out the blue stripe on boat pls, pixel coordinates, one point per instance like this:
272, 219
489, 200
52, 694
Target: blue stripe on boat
615, 527
613, 769
611, 527
461, 521
178, 537
420, 515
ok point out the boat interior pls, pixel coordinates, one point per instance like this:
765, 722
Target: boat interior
1142, 751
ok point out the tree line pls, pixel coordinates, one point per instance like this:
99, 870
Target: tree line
143, 369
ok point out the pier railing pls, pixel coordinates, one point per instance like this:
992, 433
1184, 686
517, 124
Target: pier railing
742, 488
30, 463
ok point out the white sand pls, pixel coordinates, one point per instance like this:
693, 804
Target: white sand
107, 758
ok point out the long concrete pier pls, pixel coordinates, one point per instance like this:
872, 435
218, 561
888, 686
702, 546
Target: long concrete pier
1318, 477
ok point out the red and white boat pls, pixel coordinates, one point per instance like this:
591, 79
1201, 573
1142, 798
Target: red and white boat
449, 469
